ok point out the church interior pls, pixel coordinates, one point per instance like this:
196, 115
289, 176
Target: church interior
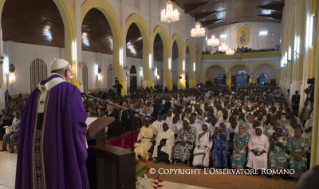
168, 45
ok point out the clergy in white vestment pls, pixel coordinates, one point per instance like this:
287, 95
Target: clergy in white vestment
175, 126
258, 146
158, 124
145, 139
203, 147
165, 142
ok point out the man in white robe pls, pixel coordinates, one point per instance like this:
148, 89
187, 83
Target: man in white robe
145, 140
203, 147
258, 146
175, 126
158, 124
165, 142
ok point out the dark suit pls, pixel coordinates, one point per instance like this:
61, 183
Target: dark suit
295, 103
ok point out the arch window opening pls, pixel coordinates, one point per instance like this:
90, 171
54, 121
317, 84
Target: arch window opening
241, 80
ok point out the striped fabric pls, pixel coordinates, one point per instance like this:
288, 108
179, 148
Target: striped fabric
38, 72
85, 78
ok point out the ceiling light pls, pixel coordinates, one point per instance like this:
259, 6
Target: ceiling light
47, 33
230, 52
223, 47
263, 33
266, 12
223, 36
198, 31
85, 39
213, 41
169, 15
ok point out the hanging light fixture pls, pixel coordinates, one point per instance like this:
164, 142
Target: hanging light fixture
198, 31
169, 15
223, 47
213, 41
230, 51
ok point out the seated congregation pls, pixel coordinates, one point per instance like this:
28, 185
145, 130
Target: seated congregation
254, 128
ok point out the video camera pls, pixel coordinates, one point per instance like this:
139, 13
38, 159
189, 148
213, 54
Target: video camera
311, 89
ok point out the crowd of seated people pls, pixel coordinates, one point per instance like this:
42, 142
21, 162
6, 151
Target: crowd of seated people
245, 50
10, 118
254, 127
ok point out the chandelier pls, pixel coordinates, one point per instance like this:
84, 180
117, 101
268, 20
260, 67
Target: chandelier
213, 41
169, 15
230, 52
223, 47
198, 31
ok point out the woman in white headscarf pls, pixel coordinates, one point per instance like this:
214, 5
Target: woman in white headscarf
203, 146
258, 146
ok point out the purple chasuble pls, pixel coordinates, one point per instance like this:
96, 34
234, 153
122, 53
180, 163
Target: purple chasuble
52, 153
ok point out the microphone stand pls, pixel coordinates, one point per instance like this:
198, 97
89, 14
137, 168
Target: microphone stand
130, 114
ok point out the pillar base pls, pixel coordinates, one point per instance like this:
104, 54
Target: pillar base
169, 84
228, 83
183, 84
150, 83
77, 84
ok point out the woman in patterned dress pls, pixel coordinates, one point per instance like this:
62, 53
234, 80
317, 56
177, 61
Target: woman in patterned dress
298, 148
278, 157
220, 147
238, 158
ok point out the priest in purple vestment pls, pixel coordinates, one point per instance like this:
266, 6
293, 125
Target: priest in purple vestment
52, 144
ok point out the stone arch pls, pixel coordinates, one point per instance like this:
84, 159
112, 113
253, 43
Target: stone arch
203, 76
199, 61
268, 63
67, 14
141, 24
180, 45
167, 57
111, 16
236, 64
191, 48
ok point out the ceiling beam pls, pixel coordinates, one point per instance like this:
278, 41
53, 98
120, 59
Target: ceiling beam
277, 16
277, 6
209, 22
194, 6
204, 15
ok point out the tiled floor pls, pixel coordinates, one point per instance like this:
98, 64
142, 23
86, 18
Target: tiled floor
149, 183
8, 169
8, 164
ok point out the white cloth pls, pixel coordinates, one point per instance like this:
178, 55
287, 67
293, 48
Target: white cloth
202, 154
146, 134
170, 142
231, 130
258, 143
197, 126
158, 125
175, 127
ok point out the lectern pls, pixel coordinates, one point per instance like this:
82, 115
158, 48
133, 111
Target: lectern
108, 166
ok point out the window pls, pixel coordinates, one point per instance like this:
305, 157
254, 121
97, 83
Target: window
38, 72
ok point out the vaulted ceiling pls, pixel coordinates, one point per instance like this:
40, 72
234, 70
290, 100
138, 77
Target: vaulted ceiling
39, 22
32, 21
215, 13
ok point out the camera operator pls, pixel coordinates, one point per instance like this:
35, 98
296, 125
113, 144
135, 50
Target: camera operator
295, 102
117, 88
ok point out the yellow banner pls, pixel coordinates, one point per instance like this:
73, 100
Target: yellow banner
243, 36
